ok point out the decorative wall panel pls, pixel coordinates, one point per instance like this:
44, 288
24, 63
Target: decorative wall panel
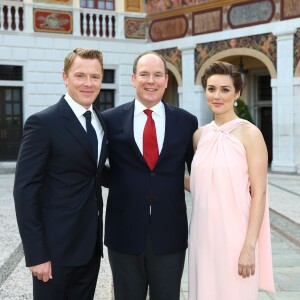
52, 21
207, 21
168, 28
290, 9
250, 13
135, 28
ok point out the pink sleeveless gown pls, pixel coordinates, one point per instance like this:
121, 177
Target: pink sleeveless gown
221, 202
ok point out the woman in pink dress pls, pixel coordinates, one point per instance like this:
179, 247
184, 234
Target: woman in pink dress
230, 255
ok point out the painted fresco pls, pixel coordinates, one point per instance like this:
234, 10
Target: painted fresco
52, 21
168, 28
290, 9
245, 14
155, 6
173, 56
135, 28
207, 21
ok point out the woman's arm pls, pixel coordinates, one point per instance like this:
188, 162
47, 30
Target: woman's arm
196, 138
257, 158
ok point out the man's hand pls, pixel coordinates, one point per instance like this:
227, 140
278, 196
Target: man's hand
42, 271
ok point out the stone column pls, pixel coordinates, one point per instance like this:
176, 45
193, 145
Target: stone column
283, 104
297, 122
76, 18
187, 97
206, 115
28, 16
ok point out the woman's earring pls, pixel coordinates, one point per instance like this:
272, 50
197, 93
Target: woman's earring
235, 103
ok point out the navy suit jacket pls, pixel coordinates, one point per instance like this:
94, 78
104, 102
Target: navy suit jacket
57, 193
133, 186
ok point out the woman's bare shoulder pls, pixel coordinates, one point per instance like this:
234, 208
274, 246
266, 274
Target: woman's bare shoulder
196, 137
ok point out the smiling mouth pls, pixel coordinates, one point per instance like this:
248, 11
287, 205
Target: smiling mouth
217, 104
87, 92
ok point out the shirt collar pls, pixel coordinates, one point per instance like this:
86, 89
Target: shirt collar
78, 109
139, 108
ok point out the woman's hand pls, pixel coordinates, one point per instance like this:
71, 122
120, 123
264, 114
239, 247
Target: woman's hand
246, 265
187, 183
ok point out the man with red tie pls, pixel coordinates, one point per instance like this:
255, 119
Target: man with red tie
146, 229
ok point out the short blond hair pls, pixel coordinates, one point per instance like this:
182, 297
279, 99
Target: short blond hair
83, 53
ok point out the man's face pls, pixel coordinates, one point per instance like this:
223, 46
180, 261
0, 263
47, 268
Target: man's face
150, 80
84, 80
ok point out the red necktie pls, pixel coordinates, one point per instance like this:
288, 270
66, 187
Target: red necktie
150, 146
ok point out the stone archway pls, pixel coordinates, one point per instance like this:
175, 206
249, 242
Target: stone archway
297, 70
171, 94
238, 52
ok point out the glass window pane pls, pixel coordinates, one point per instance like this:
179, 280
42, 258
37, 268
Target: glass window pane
102, 96
109, 76
8, 109
8, 72
264, 88
109, 6
16, 95
101, 4
90, 4
16, 109
8, 93
108, 97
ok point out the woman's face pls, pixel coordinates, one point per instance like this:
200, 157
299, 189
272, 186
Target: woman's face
220, 94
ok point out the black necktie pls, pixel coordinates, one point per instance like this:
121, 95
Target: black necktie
91, 132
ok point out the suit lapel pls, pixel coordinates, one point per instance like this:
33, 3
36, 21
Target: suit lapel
171, 119
128, 130
74, 127
103, 153
169, 129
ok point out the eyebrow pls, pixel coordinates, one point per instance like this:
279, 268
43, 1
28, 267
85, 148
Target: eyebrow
222, 86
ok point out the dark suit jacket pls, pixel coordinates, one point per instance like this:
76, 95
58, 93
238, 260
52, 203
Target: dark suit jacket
58, 198
133, 186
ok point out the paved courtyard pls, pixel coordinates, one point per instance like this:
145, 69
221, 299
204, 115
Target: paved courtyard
284, 194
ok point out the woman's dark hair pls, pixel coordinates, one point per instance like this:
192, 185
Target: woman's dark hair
223, 68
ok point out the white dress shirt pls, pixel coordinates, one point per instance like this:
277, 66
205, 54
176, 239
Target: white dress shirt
79, 110
139, 121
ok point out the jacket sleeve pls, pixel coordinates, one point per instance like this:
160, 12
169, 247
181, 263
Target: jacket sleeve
190, 151
30, 170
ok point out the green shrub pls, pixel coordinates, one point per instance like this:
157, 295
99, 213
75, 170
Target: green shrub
242, 110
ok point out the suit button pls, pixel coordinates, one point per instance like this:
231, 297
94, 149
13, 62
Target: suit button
153, 174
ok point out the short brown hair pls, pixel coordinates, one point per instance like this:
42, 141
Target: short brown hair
83, 53
145, 53
223, 68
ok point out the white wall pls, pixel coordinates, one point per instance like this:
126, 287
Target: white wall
42, 55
